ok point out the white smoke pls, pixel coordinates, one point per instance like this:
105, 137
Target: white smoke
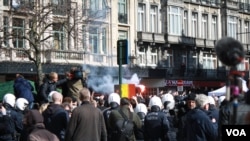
102, 81
133, 80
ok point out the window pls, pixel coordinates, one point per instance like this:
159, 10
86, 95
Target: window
59, 7
246, 32
104, 47
141, 17
204, 1
194, 27
193, 59
153, 57
209, 61
185, 23
153, 18
175, 22
18, 33
96, 7
122, 11
5, 2
214, 2
233, 2
93, 39
97, 40
204, 26
214, 28
169, 58
239, 36
59, 36
142, 56
232, 26
5, 30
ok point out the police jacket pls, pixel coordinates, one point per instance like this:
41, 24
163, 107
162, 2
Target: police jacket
11, 122
156, 125
115, 116
106, 112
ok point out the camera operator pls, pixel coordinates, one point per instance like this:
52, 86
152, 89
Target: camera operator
76, 82
183, 106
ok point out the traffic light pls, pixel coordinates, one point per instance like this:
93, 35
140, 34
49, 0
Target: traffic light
122, 52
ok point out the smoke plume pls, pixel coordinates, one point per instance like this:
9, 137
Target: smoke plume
102, 80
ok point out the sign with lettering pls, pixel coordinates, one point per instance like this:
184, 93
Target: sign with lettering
186, 83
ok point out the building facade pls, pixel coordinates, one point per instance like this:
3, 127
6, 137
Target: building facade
168, 40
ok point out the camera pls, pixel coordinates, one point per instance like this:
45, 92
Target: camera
76, 73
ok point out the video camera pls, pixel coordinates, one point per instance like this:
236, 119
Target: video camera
76, 73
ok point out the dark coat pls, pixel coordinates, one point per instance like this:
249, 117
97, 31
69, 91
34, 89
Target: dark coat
47, 87
115, 116
106, 113
199, 127
23, 89
156, 126
7, 129
39, 133
56, 120
16, 117
86, 123
35, 128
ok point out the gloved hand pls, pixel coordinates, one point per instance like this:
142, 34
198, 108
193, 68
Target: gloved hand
3, 110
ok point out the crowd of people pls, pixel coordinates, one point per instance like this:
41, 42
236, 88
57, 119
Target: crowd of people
75, 115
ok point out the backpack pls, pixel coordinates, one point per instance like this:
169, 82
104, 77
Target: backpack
125, 127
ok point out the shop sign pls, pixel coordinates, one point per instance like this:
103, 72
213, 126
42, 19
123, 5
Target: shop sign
185, 83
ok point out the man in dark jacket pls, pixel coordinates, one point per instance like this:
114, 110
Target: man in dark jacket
199, 126
86, 122
55, 117
49, 86
23, 89
115, 116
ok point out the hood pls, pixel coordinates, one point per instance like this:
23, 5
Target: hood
52, 108
33, 117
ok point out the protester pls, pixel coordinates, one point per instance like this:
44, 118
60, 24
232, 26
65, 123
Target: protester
87, 122
76, 83
66, 106
72, 101
50, 85
23, 89
56, 118
35, 128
